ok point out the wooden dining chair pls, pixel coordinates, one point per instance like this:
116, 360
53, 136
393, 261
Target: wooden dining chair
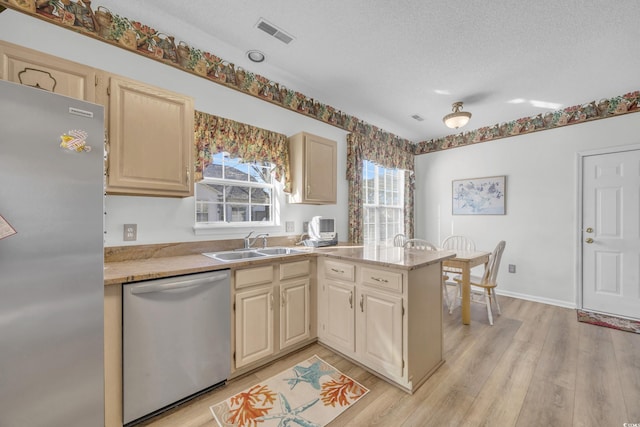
454, 243
487, 284
419, 244
462, 243
399, 240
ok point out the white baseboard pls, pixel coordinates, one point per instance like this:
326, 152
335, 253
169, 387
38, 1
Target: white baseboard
533, 298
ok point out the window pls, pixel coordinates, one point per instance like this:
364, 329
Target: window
383, 206
232, 191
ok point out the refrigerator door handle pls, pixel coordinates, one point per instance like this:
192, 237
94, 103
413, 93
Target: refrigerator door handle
161, 287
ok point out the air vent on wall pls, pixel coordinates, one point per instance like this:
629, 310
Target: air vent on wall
417, 117
274, 31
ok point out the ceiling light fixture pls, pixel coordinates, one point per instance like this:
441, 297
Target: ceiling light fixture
458, 118
255, 55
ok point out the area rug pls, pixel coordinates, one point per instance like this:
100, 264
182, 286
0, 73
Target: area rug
309, 394
609, 321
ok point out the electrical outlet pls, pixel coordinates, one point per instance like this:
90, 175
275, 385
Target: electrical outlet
289, 226
512, 268
305, 227
130, 232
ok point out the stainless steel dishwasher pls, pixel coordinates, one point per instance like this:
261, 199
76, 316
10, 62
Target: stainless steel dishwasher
176, 340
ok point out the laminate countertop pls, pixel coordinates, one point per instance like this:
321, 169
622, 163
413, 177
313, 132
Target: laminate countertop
158, 267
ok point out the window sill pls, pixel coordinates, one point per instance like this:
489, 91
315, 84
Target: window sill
235, 230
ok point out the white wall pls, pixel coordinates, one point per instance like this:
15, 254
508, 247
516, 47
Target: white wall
167, 219
541, 221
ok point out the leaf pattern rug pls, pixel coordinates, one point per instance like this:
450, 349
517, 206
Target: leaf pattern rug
310, 394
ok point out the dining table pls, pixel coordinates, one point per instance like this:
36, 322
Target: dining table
465, 261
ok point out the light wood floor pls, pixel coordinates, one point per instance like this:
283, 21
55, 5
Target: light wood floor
537, 366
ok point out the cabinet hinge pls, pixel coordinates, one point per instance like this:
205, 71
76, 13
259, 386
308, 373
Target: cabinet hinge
402, 363
95, 80
403, 309
234, 309
234, 358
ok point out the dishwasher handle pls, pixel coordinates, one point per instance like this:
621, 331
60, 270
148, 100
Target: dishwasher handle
160, 287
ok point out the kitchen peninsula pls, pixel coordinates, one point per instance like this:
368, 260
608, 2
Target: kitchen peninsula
379, 306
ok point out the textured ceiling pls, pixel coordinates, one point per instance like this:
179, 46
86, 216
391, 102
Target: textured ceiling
384, 61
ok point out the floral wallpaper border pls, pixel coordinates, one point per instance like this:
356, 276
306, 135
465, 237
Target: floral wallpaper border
114, 29
111, 28
595, 110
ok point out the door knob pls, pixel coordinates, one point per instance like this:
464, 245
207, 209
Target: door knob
589, 240
589, 230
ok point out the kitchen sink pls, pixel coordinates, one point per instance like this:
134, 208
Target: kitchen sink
240, 255
234, 255
279, 251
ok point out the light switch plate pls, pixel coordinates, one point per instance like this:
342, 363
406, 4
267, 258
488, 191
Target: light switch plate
290, 226
512, 268
130, 232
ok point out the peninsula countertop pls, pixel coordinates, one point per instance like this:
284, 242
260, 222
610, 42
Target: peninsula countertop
387, 256
158, 267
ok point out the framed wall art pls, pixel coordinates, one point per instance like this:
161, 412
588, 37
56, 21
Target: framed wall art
479, 196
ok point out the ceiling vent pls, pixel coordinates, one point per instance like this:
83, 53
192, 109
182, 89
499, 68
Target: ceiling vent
418, 118
274, 31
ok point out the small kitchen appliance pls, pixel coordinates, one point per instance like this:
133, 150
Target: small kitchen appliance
322, 232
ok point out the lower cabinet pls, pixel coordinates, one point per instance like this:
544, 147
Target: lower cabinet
272, 311
295, 318
379, 322
254, 324
365, 323
387, 320
338, 329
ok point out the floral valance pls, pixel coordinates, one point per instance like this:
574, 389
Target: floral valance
214, 134
380, 148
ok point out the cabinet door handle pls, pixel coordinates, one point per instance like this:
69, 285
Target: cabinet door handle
282, 297
380, 279
271, 302
335, 270
351, 299
362, 303
188, 176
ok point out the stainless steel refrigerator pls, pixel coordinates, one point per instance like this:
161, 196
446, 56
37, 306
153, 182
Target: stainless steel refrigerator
51, 259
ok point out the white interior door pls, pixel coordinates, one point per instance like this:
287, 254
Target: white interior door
611, 233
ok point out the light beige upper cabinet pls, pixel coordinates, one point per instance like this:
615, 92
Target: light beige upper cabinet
32, 68
150, 139
313, 169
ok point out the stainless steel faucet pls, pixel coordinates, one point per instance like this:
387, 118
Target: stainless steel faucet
248, 242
